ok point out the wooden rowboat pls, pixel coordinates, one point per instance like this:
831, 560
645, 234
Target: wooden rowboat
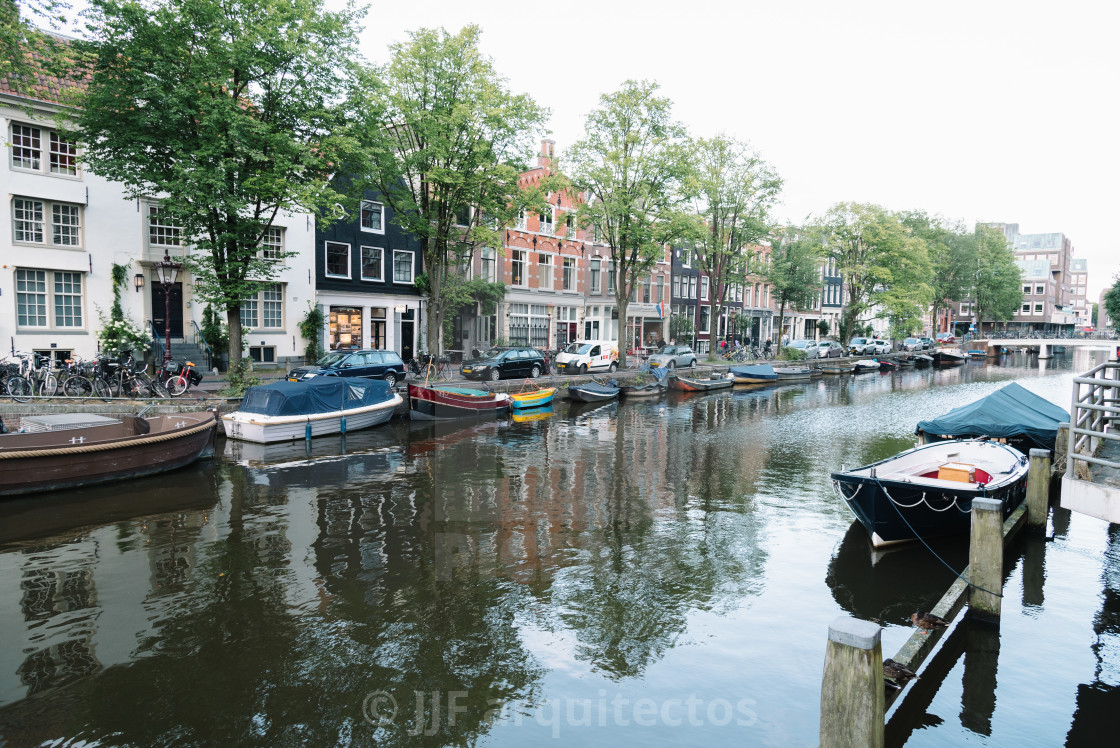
446, 402
690, 384
534, 398
80, 449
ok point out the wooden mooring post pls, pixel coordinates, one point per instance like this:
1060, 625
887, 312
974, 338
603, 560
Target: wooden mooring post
985, 558
1038, 489
853, 702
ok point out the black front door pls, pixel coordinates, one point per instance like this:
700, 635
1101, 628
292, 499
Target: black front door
159, 308
407, 336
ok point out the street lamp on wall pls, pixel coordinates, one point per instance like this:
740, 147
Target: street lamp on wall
168, 273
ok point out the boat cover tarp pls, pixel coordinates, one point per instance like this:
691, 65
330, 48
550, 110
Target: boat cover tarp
599, 389
762, 371
1012, 411
318, 395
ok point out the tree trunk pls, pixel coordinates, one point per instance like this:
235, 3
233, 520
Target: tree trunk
781, 327
233, 322
435, 284
623, 331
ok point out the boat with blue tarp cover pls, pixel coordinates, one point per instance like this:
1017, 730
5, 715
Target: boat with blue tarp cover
283, 411
1013, 415
758, 374
593, 392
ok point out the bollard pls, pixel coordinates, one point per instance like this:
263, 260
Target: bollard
853, 702
1038, 489
985, 558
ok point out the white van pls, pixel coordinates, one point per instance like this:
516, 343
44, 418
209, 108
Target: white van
583, 356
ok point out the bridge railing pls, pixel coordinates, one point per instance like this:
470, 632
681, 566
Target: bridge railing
1094, 414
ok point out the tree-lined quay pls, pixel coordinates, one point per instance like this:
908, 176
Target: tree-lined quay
238, 115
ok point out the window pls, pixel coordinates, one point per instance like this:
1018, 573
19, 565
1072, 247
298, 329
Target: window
489, 264
704, 288
676, 286
1038, 308
546, 222
27, 151
338, 260
1027, 288
544, 272
518, 276
373, 264
570, 223
264, 309
1040, 289
705, 319
272, 244
263, 354
162, 229
596, 282
646, 291
1026, 309
402, 266
463, 216
610, 277
521, 220
569, 280
372, 214
48, 223
692, 286
49, 299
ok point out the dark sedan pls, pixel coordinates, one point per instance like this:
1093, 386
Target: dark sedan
371, 364
499, 363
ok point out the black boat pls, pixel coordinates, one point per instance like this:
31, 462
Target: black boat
949, 356
922, 360
928, 491
592, 392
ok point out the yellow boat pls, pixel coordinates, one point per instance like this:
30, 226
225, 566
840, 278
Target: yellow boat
532, 399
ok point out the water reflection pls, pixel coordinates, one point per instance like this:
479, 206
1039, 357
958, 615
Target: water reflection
665, 548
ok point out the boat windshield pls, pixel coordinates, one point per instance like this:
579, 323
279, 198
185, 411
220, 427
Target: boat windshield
578, 348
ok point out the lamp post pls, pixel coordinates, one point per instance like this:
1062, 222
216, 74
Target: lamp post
168, 271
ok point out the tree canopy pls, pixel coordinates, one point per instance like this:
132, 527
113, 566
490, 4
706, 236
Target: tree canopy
793, 272
1112, 304
633, 163
228, 112
997, 290
448, 142
735, 191
879, 261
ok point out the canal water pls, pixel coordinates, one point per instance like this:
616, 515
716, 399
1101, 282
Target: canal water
628, 574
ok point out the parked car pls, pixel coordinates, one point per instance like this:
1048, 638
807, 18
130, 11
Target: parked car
505, 362
368, 363
808, 347
946, 338
912, 344
927, 344
856, 346
829, 349
877, 347
672, 357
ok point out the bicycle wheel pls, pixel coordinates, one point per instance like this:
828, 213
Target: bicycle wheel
49, 386
77, 386
141, 385
19, 388
176, 386
102, 389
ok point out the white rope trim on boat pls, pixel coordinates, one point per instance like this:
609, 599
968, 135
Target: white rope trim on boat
840, 490
923, 500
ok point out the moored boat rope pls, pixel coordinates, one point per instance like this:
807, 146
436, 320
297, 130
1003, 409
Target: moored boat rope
923, 500
110, 445
839, 489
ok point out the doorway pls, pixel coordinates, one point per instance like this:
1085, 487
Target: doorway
408, 334
159, 309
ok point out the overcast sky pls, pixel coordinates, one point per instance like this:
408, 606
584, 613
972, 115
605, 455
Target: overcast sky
991, 111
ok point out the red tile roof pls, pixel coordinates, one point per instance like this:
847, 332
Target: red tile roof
47, 78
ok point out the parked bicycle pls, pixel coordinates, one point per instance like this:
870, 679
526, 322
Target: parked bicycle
33, 376
122, 378
178, 378
429, 367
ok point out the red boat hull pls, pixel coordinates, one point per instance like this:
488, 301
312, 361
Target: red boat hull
452, 403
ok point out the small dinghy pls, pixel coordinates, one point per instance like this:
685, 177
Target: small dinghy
865, 365
793, 373
928, 491
593, 392
692, 384
760, 374
531, 396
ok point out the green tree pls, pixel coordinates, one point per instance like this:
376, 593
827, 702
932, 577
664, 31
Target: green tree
879, 261
227, 111
632, 162
449, 141
997, 290
793, 272
952, 256
26, 49
1112, 304
736, 191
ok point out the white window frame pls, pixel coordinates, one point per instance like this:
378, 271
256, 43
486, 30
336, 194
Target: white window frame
411, 267
700, 326
704, 284
49, 154
381, 265
45, 218
362, 216
547, 222
326, 260
171, 231
568, 280
1038, 309
595, 271
1039, 290
257, 303
488, 264
272, 244
519, 258
50, 297
545, 269
522, 220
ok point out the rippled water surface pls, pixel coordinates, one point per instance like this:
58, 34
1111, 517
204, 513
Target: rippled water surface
627, 574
